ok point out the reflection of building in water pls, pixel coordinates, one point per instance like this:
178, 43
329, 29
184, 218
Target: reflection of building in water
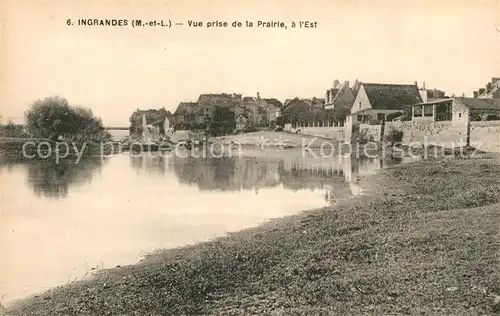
359, 167
151, 163
51, 179
336, 176
226, 173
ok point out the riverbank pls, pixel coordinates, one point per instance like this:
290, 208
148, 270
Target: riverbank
19, 149
328, 146
424, 242
273, 139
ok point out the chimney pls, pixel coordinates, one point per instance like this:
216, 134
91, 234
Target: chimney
416, 83
476, 94
346, 83
335, 83
481, 91
423, 86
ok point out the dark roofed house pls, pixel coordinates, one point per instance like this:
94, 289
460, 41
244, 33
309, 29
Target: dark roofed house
375, 101
340, 96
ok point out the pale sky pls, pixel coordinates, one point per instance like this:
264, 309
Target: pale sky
451, 45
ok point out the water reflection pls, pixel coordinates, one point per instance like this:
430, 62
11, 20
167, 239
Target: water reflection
52, 179
337, 176
138, 204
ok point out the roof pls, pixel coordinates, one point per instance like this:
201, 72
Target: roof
152, 115
481, 104
273, 101
307, 102
391, 96
494, 86
370, 109
435, 101
315, 101
186, 107
221, 95
288, 101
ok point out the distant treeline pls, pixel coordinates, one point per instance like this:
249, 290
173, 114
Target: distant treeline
13, 130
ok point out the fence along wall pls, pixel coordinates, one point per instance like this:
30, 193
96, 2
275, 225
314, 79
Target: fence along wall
336, 133
485, 135
331, 132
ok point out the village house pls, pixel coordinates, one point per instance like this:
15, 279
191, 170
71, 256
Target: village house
188, 114
262, 111
455, 122
491, 91
252, 110
374, 101
300, 111
151, 116
340, 96
457, 110
208, 103
273, 110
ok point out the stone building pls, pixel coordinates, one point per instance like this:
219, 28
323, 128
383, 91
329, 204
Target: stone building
490, 91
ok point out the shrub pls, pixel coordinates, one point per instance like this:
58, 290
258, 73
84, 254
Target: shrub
394, 136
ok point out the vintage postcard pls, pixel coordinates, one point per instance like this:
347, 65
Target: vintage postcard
250, 157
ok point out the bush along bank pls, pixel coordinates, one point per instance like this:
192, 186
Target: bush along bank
424, 242
30, 149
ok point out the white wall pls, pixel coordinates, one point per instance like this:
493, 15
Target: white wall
361, 102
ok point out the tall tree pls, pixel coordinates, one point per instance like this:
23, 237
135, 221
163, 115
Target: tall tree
54, 116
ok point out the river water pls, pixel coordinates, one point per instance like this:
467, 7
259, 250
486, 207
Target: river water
62, 221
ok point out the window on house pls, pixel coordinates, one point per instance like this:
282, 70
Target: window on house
417, 110
360, 118
381, 117
459, 115
443, 111
428, 110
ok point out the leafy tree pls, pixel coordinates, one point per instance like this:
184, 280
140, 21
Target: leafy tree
339, 115
54, 116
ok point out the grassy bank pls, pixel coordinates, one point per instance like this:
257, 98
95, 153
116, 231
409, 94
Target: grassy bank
426, 242
12, 149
